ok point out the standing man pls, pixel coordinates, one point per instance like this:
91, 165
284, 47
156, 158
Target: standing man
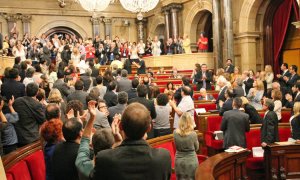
124, 84
202, 43
291, 81
248, 82
285, 72
235, 124
230, 67
203, 78
186, 105
140, 65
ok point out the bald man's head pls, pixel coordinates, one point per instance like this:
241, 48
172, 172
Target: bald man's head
135, 121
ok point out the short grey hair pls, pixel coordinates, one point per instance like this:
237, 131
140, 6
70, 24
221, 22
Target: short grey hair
102, 139
88, 72
122, 97
124, 73
239, 81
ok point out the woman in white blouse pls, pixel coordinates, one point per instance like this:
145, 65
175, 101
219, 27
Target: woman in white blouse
269, 76
277, 96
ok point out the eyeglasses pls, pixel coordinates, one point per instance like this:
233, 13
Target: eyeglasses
102, 107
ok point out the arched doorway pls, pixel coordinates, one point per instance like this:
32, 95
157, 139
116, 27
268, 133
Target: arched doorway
202, 22
160, 31
62, 31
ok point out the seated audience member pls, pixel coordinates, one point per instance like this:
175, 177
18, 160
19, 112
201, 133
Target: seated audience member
161, 124
111, 96
124, 84
31, 116
223, 87
254, 117
235, 124
293, 97
186, 105
120, 107
186, 142
148, 163
238, 89
205, 96
64, 155
132, 93
142, 92
185, 82
170, 87
275, 86
51, 132
56, 98
9, 139
269, 128
255, 94
227, 105
277, 96
102, 89
79, 94
295, 121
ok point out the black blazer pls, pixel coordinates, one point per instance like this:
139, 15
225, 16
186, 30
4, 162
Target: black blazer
235, 124
292, 81
226, 106
11, 88
269, 128
147, 103
248, 85
221, 96
132, 160
198, 79
254, 117
132, 93
238, 91
230, 69
111, 98
296, 127
281, 81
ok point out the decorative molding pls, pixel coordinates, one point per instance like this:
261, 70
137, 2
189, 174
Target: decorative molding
96, 20
26, 18
107, 20
11, 17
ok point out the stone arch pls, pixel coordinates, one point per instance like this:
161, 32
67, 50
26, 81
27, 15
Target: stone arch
160, 20
196, 8
63, 23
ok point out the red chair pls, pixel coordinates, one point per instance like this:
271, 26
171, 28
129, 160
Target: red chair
284, 133
253, 140
206, 106
215, 95
170, 146
213, 124
285, 116
19, 171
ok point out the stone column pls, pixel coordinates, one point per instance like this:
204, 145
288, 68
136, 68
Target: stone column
11, 20
217, 34
26, 24
174, 8
96, 26
141, 28
107, 26
248, 51
229, 43
166, 13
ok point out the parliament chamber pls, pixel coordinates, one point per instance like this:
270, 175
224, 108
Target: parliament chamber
149, 89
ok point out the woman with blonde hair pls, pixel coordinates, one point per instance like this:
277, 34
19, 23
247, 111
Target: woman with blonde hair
295, 121
277, 97
255, 94
75, 56
55, 97
236, 74
262, 77
220, 72
186, 142
269, 76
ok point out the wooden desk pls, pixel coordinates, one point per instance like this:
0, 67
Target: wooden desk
223, 166
282, 161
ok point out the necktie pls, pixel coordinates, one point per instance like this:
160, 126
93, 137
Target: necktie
204, 81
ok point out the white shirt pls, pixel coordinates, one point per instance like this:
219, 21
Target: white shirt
186, 105
277, 108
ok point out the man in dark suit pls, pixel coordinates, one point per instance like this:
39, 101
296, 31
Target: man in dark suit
120, 107
124, 84
31, 114
248, 82
79, 94
235, 124
63, 88
203, 78
291, 81
205, 96
227, 105
95, 71
221, 98
111, 96
142, 92
12, 87
293, 97
88, 80
148, 163
230, 67
269, 128
185, 82
285, 72
132, 93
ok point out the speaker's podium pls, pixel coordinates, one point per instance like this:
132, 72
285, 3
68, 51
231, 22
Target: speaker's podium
282, 161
